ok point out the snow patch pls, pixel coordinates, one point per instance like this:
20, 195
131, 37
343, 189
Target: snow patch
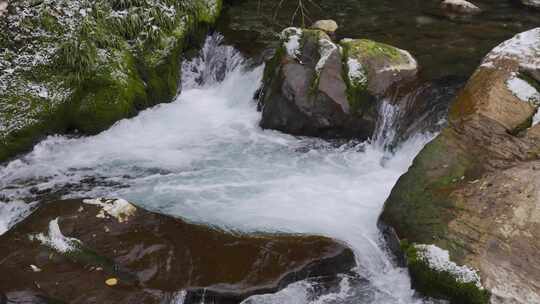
120, 209
356, 72
536, 117
439, 260
523, 90
326, 48
56, 240
291, 40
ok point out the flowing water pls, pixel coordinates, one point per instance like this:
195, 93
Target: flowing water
204, 158
442, 45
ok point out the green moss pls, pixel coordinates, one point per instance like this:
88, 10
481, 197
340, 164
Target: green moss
109, 68
272, 70
364, 48
360, 99
440, 284
420, 206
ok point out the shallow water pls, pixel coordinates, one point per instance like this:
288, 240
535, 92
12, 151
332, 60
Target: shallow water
443, 46
204, 158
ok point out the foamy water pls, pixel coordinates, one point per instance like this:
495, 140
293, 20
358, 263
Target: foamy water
204, 158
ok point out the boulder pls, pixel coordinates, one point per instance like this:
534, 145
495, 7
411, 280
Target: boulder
328, 26
111, 251
466, 212
460, 7
315, 87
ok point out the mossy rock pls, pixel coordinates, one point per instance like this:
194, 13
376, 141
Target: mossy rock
420, 207
441, 284
94, 63
372, 69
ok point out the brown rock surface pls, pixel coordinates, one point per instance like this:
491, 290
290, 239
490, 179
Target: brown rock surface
475, 190
152, 257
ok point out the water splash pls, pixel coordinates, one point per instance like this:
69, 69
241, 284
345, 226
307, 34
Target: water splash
385, 132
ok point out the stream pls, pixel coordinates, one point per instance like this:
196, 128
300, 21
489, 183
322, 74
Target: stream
204, 158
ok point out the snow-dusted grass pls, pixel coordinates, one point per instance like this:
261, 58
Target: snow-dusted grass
53, 49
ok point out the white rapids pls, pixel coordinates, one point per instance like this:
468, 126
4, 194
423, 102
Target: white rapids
203, 157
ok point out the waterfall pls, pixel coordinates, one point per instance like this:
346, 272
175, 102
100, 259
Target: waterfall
385, 132
203, 157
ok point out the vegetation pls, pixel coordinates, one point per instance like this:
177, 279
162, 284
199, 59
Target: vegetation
83, 65
440, 284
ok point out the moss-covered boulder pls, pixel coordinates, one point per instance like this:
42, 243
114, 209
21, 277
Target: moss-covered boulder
111, 251
472, 194
375, 67
82, 65
315, 87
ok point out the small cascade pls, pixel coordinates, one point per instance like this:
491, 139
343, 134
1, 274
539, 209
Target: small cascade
215, 61
385, 132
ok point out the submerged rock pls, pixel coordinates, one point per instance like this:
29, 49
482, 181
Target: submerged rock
315, 87
472, 194
110, 251
82, 65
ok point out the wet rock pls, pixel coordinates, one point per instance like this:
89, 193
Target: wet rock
470, 200
110, 251
424, 109
328, 26
531, 3
315, 87
460, 7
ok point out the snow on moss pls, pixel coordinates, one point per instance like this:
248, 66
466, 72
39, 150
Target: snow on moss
406, 62
356, 72
439, 260
291, 37
56, 240
47, 47
326, 48
117, 208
